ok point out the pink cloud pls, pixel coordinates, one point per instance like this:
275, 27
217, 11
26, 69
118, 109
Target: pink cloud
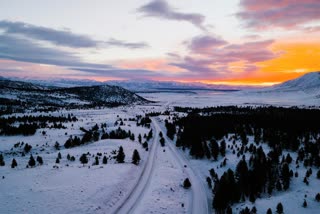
215, 60
279, 13
205, 44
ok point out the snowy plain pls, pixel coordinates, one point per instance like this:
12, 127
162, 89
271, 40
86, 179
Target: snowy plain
72, 187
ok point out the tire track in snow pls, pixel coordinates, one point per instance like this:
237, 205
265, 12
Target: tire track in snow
128, 203
199, 194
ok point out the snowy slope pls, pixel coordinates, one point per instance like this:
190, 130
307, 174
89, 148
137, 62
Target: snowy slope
308, 83
87, 95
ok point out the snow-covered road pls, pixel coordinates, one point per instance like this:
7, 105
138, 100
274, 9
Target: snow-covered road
131, 200
199, 195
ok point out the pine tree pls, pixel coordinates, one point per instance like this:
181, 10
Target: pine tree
57, 146
120, 156
57, 160
269, 211
135, 157
14, 163
214, 149
229, 210
104, 160
68, 157
186, 183
317, 197
162, 142
223, 148
96, 161
40, 160
83, 159
279, 208
139, 138
31, 162
305, 204
2, 163
59, 155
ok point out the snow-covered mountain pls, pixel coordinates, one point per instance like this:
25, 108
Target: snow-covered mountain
149, 85
30, 94
309, 83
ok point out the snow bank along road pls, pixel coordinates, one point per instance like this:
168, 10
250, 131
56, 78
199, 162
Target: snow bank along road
127, 205
199, 195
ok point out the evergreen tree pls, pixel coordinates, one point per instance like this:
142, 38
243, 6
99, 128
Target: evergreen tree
139, 138
120, 156
2, 163
57, 160
285, 176
269, 211
186, 183
96, 161
68, 157
279, 208
14, 163
59, 155
135, 157
253, 210
209, 181
83, 159
214, 149
317, 197
162, 142
305, 203
223, 148
104, 160
57, 146
40, 160
229, 210
31, 162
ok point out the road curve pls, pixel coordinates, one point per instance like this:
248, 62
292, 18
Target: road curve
199, 194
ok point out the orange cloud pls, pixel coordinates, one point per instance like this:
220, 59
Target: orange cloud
296, 59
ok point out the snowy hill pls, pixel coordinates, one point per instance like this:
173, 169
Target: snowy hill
32, 95
309, 83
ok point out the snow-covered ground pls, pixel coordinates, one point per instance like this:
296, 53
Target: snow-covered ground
155, 185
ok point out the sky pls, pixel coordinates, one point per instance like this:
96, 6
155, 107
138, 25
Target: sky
236, 42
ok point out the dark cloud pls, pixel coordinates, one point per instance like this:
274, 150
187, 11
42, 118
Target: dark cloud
62, 38
161, 9
24, 50
275, 13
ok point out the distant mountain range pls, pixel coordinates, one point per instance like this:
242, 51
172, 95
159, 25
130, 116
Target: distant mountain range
136, 85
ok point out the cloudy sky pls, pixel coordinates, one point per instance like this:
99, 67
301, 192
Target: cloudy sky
210, 41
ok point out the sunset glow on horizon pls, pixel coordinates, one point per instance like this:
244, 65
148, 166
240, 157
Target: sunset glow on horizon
238, 42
